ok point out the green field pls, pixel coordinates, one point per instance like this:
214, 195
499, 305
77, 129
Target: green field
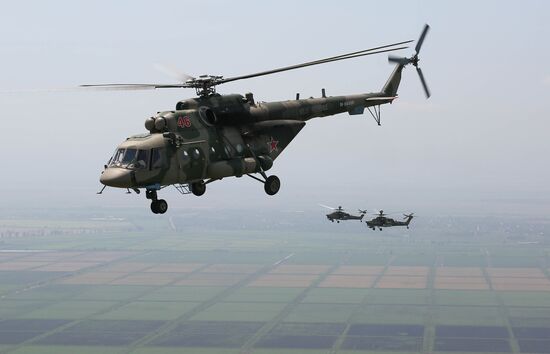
136, 285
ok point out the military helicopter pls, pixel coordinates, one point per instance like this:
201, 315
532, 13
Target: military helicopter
381, 221
339, 214
213, 136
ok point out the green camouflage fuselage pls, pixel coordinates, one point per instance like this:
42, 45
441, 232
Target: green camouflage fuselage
209, 138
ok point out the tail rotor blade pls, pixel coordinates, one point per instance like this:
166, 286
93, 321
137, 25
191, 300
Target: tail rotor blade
421, 39
423, 81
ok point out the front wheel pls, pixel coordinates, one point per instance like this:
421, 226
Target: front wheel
198, 188
272, 185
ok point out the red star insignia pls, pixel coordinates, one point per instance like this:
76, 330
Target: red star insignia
272, 144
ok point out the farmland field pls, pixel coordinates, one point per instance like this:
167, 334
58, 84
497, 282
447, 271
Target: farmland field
128, 285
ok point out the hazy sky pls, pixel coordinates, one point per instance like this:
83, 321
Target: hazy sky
480, 141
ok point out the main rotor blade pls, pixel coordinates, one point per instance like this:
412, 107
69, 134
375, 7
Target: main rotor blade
131, 86
365, 52
326, 206
421, 39
423, 81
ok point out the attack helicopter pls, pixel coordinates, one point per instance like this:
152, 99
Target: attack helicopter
381, 221
339, 214
213, 136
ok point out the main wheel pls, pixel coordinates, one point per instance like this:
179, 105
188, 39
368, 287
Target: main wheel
159, 206
198, 188
162, 206
272, 185
154, 207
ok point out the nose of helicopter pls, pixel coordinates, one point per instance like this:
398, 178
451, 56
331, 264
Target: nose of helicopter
116, 177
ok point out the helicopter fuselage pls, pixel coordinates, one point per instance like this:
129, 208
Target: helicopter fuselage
210, 138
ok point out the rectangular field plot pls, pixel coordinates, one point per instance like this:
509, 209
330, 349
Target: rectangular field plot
174, 267
471, 331
461, 283
92, 278
69, 310
515, 272
48, 292
308, 329
125, 267
534, 299
18, 331
236, 311
147, 279
102, 333
520, 284
321, 313
112, 292
149, 310
296, 341
465, 297
473, 345
358, 270
26, 277
534, 345
300, 269
285, 280
209, 334
17, 308
407, 271
52, 256
396, 344
335, 296
532, 332
233, 268
66, 266
459, 272
468, 315
398, 297
263, 294
103, 256
182, 293
21, 265
402, 282
375, 330
211, 279
347, 281
391, 314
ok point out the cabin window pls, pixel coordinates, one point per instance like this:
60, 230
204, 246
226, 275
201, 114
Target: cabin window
196, 153
157, 158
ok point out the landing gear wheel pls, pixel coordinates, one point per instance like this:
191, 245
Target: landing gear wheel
198, 188
154, 207
159, 206
272, 185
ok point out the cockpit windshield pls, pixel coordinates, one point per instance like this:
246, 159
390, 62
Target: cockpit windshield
130, 158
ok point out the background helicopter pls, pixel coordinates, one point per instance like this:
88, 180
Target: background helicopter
214, 136
339, 214
381, 221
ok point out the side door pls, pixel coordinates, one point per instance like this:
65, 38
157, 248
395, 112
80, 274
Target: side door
193, 159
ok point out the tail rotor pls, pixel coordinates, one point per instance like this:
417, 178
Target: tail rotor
414, 60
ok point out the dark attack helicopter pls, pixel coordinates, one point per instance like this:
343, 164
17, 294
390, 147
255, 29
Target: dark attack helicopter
213, 136
381, 221
339, 214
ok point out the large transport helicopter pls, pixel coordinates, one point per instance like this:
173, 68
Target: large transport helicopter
340, 214
381, 221
213, 136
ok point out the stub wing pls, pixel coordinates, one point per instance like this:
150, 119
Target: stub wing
272, 137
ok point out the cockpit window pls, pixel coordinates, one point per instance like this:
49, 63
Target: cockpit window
130, 158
